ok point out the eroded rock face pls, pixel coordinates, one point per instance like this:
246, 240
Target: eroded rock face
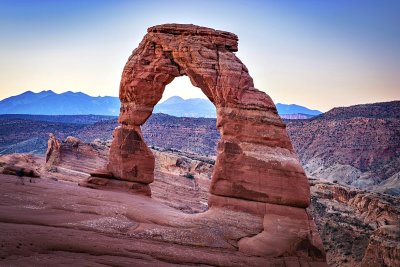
183, 165
383, 248
256, 169
74, 158
53, 151
130, 158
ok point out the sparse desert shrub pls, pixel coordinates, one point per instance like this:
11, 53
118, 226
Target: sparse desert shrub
210, 161
52, 169
189, 176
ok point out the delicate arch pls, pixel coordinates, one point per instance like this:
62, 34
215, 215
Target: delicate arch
255, 159
256, 169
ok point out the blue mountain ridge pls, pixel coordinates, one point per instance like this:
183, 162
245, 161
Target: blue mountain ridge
71, 103
68, 103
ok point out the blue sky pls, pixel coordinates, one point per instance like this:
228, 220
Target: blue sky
320, 54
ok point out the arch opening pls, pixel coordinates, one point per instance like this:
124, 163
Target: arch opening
181, 99
184, 146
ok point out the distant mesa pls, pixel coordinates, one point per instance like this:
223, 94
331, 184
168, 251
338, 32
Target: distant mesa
78, 103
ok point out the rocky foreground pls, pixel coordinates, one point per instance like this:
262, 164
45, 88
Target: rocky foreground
51, 220
56, 223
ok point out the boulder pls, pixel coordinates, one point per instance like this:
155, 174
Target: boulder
20, 165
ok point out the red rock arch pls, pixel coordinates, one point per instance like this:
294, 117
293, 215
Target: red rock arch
255, 159
256, 171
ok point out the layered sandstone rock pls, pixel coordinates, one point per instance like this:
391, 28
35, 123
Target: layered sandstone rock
53, 151
256, 169
72, 157
376, 210
183, 164
358, 228
383, 248
130, 158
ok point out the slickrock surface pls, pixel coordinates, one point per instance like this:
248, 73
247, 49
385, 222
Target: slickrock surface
57, 223
256, 170
184, 164
358, 228
51, 223
185, 173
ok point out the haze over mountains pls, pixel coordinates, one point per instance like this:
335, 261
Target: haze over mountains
70, 103
179, 107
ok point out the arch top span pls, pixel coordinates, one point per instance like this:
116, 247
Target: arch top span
205, 55
224, 39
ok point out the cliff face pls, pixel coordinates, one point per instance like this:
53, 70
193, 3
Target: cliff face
383, 247
358, 228
358, 145
364, 151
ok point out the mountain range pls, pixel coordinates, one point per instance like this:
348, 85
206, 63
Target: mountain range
70, 103
193, 107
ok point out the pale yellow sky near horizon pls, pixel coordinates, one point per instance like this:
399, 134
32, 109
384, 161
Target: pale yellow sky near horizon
318, 55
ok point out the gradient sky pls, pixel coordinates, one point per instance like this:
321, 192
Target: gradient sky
320, 54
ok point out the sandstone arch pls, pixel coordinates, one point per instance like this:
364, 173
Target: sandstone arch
255, 157
256, 169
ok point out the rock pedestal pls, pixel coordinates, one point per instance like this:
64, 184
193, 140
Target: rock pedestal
256, 169
130, 158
